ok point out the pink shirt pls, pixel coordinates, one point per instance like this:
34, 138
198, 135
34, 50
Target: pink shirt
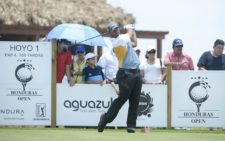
171, 57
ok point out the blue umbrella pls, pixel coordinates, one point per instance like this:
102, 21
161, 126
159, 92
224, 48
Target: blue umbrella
78, 34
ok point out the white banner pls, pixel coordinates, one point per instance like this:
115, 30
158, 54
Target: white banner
25, 84
83, 104
198, 99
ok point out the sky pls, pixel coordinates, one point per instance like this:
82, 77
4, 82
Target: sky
197, 22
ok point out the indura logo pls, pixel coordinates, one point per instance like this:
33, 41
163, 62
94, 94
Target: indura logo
23, 73
17, 112
145, 104
198, 92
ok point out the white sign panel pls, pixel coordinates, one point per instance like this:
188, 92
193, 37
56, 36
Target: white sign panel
198, 99
152, 110
83, 104
25, 84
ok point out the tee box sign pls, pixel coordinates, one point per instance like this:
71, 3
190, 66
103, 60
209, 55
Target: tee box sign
25, 83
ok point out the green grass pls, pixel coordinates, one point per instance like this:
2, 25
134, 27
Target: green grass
78, 134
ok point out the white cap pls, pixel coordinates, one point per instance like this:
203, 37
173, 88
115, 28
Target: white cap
129, 26
90, 55
151, 48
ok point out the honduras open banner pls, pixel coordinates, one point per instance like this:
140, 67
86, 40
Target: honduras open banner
82, 105
25, 84
198, 98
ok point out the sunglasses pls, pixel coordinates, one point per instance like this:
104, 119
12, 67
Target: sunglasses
151, 52
179, 46
80, 52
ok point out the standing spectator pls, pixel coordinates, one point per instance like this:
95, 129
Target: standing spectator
109, 63
151, 69
92, 74
64, 61
79, 64
177, 59
213, 60
128, 77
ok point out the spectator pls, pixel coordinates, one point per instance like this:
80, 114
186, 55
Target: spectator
138, 52
64, 61
151, 69
92, 74
109, 63
213, 60
177, 59
79, 64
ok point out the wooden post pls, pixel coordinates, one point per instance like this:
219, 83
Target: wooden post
169, 93
53, 99
99, 52
159, 48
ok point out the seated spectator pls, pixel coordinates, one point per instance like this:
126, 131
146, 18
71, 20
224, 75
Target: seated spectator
79, 64
92, 74
151, 69
64, 61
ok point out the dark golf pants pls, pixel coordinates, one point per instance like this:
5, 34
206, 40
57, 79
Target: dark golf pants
130, 84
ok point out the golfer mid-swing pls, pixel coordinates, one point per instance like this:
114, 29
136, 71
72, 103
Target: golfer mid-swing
128, 77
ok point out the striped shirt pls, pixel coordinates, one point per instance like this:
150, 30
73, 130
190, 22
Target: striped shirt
90, 74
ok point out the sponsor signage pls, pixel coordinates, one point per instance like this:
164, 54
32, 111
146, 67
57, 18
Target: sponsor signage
83, 104
198, 99
25, 84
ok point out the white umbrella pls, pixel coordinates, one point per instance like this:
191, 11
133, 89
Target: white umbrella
78, 34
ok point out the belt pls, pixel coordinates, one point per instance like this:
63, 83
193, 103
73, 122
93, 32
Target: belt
130, 70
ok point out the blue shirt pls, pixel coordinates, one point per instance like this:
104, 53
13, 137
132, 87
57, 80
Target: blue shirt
210, 62
95, 74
